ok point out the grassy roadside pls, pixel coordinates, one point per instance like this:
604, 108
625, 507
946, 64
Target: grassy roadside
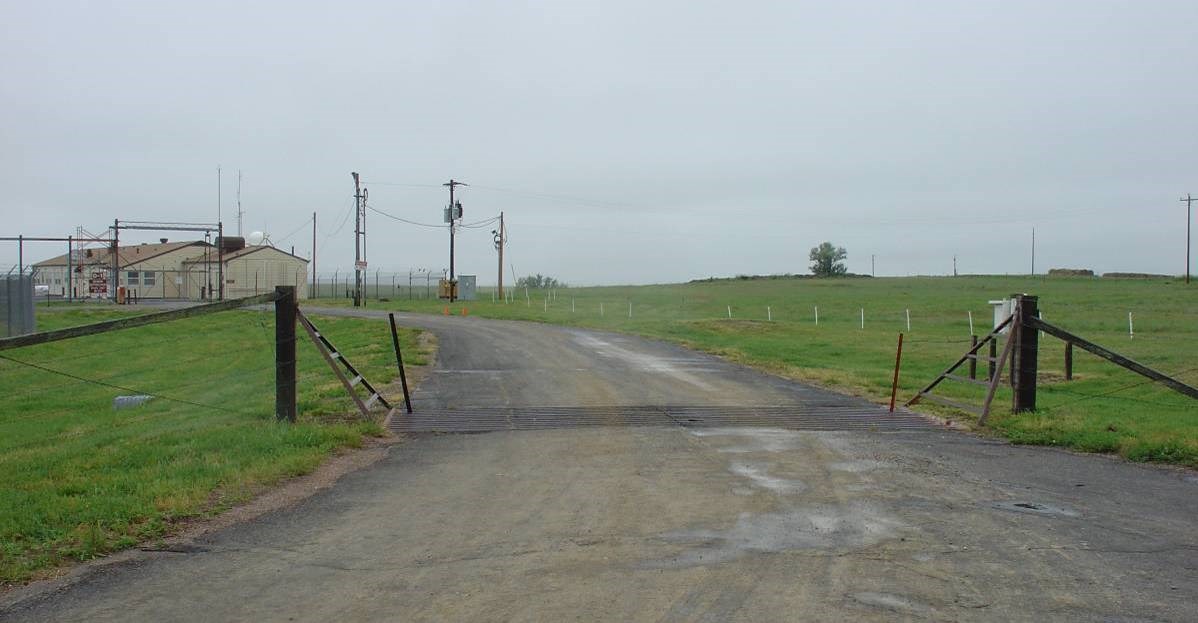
79, 479
1105, 409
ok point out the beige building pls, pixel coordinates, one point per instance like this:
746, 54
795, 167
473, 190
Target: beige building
150, 270
174, 270
250, 270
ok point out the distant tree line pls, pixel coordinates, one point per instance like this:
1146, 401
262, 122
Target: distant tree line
539, 281
827, 260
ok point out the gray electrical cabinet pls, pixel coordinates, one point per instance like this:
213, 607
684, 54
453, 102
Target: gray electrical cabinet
467, 287
16, 305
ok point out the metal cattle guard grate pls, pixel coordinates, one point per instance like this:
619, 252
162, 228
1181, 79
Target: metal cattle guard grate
795, 417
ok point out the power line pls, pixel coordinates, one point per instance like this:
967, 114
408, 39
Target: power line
296, 231
554, 197
401, 219
523, 193
482, 223
338, 230
374, 183
474, 225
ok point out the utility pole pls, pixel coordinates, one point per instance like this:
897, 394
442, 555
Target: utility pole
116, 263
500, 238
1189, 200
240, 213
314, 292
872, 266
359, 239
220, 261
220, 244
452, 214
954, 266
1033, 250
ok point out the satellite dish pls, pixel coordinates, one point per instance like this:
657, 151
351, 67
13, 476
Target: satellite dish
255, 238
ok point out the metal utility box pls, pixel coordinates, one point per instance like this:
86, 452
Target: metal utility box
16, 304
1003, 308
467, 289
446, 289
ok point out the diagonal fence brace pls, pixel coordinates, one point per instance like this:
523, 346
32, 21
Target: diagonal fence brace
1113, 357
332, 357
991, 385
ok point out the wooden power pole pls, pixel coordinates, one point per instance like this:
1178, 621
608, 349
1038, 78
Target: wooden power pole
453, 214
314, 292
500, 238
359, 239
1189, 200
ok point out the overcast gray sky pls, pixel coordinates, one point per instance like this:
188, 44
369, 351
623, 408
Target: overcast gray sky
627, 142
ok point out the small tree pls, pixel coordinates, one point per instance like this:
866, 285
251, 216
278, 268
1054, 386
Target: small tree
828, 260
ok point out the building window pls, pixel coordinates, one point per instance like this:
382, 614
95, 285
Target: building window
149, 278
131, 278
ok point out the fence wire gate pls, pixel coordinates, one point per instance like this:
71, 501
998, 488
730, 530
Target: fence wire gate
223, 363
219, 363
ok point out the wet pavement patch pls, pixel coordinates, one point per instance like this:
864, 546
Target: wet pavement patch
1035, 508
847, 527
893, 603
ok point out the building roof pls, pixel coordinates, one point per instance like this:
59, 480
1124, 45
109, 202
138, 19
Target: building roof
232, 255
128, 255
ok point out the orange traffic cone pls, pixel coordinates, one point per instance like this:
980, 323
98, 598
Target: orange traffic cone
446, 311
464, 312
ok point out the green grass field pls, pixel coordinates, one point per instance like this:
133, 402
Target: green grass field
78, 478
1105, 409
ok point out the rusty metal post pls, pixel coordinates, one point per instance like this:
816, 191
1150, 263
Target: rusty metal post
1027, 354
1068, 361
285, 317
898, 360
973, 361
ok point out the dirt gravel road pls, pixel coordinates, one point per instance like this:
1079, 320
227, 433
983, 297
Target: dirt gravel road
675, 522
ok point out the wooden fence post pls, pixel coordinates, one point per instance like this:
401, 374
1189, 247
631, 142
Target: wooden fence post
1068, 361
285, 353
993, 369
1027, 354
